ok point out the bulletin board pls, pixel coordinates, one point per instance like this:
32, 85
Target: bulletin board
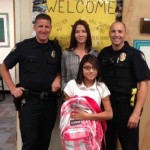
98, 13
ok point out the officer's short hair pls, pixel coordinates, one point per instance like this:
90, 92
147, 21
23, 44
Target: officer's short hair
119, 22
42, 16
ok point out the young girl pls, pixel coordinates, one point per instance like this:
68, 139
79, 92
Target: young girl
88, 85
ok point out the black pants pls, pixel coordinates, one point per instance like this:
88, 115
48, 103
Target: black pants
37, 120
117, 127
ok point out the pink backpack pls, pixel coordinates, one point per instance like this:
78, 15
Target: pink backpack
81, 134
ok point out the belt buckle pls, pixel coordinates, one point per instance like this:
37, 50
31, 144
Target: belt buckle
44, 96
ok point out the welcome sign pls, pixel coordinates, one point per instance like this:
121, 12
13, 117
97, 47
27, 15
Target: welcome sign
98, 13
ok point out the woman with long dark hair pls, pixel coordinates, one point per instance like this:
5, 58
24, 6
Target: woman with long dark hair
80, 45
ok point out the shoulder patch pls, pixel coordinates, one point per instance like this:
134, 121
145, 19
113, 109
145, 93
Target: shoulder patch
13, 49
143, 56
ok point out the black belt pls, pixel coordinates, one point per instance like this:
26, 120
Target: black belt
121, 99
42, 95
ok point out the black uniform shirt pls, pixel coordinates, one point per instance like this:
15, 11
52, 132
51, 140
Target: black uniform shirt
38, 63
123, 69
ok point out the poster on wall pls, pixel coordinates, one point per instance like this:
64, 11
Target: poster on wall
98, 13
119, 9
144, 46
4, 30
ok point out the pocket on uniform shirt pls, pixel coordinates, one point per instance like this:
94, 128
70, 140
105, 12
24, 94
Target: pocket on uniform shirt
122, 69
52, 61
53, 65
33, 64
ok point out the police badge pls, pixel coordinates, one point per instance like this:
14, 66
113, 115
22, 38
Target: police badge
122, 56
53, 54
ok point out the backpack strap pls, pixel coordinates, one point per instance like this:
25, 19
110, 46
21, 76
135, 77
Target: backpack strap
95, 106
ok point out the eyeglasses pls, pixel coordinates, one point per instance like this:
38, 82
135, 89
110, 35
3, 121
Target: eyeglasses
88, 68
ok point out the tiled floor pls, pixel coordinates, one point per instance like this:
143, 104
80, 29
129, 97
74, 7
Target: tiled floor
7, 124
8, 127
55, 140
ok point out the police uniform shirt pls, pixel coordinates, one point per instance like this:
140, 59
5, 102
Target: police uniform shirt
38, 63
126, 63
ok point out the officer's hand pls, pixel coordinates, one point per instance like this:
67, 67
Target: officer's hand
17, 91
133, 120
56, 84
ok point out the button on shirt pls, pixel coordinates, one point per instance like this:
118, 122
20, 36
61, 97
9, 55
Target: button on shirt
97, 91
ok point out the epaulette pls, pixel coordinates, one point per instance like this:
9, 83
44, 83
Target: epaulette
137, 51
55, 44
24, 42
132, 48
21, 43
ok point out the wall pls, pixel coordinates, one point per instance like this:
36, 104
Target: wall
23, 31
23, 19
23, 25
132, 12
7, 7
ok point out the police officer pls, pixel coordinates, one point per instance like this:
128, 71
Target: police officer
39, 74
125, 72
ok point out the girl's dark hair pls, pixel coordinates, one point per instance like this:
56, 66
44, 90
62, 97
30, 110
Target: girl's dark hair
73, 42
92, 60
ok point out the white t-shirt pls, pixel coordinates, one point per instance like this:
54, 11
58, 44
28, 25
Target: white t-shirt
97, 91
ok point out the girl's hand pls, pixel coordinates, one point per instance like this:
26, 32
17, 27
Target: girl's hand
79, 115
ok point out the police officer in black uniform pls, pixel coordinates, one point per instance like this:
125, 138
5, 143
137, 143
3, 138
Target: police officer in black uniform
39, 81
125, 72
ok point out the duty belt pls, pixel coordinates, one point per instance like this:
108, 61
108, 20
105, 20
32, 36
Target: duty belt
120, 99
41, 95
27, 95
